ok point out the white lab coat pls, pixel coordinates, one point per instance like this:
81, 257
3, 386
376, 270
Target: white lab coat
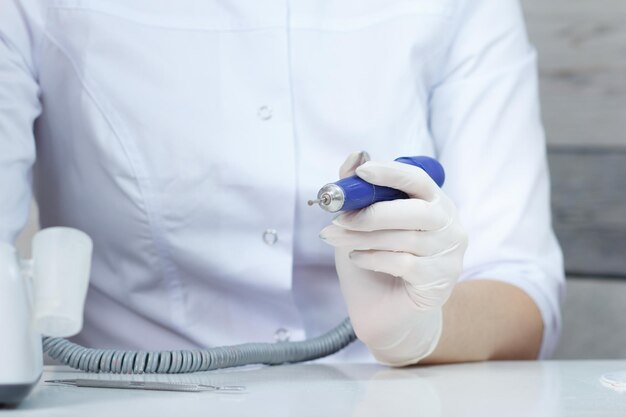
186, 136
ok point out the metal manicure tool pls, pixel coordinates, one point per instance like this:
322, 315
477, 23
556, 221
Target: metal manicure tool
146, 385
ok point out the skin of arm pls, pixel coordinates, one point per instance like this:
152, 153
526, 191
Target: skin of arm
488, 320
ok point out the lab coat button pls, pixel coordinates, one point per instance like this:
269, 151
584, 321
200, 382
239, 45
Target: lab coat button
264, 113
282, 335
270, 237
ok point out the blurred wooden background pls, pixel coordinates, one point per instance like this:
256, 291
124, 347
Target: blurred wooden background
582, 56
582, 51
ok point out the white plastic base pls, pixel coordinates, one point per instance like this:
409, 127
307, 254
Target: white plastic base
13, 394
21, 358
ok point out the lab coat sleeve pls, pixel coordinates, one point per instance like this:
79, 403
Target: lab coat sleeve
19, 107
486, 125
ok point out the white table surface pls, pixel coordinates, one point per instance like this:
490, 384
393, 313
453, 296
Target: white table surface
502, 389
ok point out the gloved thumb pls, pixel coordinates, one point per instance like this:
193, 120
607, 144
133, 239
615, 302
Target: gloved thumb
352, 162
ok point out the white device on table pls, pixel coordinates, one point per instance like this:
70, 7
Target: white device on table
41, 296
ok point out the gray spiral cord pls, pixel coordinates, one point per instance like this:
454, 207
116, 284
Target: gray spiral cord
186, 361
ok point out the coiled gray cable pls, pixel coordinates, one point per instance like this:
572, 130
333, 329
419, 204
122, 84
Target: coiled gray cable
185, 361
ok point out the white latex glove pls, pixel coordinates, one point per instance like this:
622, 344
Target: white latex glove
397, 261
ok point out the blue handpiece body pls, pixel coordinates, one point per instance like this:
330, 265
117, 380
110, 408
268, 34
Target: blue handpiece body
360, 193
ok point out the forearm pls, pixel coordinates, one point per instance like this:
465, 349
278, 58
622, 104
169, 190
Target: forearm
488, 320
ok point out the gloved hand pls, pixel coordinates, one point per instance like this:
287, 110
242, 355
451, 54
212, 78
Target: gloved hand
397, 261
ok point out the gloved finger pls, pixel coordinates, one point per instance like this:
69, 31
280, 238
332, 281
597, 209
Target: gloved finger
418, 271
410, 241
352, 162
408, 178
407, 214
421, 277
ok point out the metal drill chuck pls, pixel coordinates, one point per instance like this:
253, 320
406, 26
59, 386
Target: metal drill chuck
330, 197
